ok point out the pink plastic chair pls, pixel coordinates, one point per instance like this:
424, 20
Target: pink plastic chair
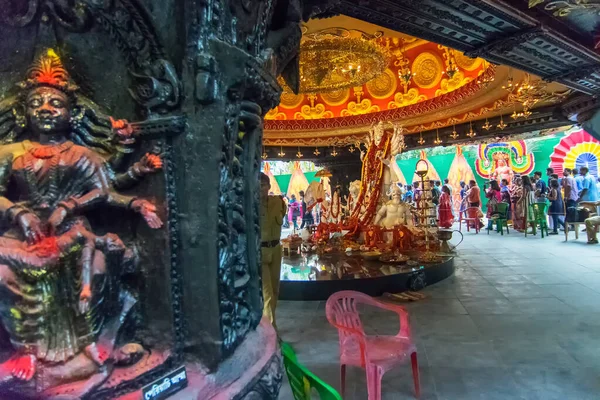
468, 221
376, 354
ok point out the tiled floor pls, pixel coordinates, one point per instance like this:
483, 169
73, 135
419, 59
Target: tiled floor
520, 319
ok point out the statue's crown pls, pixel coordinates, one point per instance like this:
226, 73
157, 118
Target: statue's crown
48, 70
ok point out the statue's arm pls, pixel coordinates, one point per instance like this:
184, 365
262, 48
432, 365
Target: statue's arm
149, 164
380, 215
8, 209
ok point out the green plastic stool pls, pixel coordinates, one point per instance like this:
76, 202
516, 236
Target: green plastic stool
302, 380
500, 217
539, 218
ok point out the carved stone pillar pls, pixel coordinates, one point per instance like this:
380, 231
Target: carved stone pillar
196, 76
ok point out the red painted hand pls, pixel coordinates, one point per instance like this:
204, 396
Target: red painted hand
122, 127
31, 227
150, 163
148, 211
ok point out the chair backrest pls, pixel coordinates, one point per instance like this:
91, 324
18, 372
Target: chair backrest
539, 210
502, 209
341, 309
302, 381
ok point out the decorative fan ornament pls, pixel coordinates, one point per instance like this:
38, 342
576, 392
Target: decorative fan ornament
576, 150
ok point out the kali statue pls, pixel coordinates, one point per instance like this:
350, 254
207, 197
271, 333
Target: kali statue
394, 212
62, 301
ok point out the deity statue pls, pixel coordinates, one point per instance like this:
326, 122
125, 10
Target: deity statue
503, 171
354, 192
394, 212
63, 299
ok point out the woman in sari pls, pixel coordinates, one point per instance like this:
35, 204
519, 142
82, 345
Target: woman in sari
494, 196
523, 211
446, 216
516, 192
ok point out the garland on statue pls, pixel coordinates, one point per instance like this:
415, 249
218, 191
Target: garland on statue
372, 183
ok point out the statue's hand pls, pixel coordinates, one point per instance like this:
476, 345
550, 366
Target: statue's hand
122, 127
31, 226
149, 164
148, 211
113, 244
56, 218
84, 299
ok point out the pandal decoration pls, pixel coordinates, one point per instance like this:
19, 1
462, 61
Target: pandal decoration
337, 58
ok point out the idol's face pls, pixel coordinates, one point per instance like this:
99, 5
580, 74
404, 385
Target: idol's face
48, 111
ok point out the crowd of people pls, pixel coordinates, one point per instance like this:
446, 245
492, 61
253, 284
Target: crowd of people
299, 215
563, 197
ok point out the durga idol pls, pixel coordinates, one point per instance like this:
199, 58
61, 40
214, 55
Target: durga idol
62, 301
503, 171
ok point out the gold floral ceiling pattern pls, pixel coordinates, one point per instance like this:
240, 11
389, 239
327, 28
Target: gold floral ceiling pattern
415, 72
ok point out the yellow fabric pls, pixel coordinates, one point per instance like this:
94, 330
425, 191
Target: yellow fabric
271, 273
271, 215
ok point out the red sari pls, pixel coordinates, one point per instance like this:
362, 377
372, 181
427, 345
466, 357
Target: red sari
446, 218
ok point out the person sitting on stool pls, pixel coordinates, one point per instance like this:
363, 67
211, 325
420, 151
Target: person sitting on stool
592, 223
272, 212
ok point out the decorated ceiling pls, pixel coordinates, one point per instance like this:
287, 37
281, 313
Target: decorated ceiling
417, 71
354, 74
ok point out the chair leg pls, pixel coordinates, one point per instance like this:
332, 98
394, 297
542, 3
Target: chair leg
343, 379
415, 369
374, 382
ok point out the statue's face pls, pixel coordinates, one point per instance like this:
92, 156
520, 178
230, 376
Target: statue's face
48, 110
502, 163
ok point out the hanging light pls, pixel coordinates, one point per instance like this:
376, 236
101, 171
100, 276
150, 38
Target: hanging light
454, 134
281, 153
487, 126
471, 132
299, 154
316, 152
264, 154
421, 141
437, 140
501, 125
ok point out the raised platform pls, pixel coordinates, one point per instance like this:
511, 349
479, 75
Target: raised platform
316, 277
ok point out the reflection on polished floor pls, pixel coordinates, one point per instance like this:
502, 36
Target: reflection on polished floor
518, 320
339, 266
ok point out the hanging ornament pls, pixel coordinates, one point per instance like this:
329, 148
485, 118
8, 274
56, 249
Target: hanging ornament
487, 126
501, 125
299, 154
281, 153
471, 132
264, 154
316, 152
454, 134
334, 153
421, 141
351, 149
437, 140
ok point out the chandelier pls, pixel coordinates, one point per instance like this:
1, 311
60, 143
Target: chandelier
337, 58
528, 93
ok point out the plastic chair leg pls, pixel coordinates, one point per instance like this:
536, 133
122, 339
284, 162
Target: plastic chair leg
415, 369
374, 376
343, 379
